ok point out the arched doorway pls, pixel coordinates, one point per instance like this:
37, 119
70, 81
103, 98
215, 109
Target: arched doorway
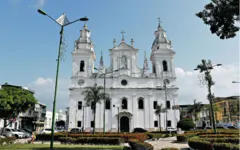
124, 124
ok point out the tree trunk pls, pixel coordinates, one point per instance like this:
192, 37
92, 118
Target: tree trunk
160, 122
94, 117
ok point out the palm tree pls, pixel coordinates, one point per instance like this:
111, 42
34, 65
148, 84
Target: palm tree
196, 108
93, 95
216, 108
158, 111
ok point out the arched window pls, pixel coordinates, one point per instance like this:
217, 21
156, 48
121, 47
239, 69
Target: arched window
107, 104
165, 67
140, 104
124, 103
82, 66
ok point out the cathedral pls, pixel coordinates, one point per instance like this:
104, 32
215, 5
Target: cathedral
135, 91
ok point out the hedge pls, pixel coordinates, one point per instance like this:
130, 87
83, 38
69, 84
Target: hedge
126, 137
208, 144
158, 135
170, 148
185, 137
91, 140
219, 131
7, 140
218, 135
139, 145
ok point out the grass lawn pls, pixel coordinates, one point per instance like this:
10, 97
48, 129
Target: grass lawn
60, 147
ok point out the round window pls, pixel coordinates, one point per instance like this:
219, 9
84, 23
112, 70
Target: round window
124, 82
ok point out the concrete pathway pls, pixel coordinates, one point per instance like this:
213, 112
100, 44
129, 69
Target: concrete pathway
168, 142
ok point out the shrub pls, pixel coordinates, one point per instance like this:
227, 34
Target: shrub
47, 137
181, 138
91, 140
139, 130
154, 135
170, 148
7, 140
217, 135
139, 145
126, 137
208, 144
185, 124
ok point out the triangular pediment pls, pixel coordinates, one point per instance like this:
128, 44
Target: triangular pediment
123, 46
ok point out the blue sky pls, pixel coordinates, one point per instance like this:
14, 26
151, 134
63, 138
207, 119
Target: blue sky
29, 41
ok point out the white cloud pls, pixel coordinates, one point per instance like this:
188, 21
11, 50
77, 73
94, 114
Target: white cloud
44, 91
38, 4
187, 81
190, 87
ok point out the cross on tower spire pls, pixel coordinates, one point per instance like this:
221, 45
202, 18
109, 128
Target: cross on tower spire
122, 32
159, 22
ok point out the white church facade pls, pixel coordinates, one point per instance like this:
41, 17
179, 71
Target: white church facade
134, 91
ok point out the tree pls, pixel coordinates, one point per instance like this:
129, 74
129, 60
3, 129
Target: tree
185, 124
14, 100
196, 108
92, 96
222, 16
158, 111
216, 108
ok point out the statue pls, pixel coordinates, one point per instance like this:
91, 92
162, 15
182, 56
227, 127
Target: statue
124, 62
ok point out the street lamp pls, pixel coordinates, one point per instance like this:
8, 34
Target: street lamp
104, 88
62, 25
83, 118
117, 116
165, 82
206, 67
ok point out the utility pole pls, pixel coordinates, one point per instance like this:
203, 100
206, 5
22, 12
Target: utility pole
206, 67
165, 82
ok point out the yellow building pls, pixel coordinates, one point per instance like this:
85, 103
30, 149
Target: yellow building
229, 112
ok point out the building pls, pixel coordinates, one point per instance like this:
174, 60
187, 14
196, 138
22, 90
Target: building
59, 116
203, 116
32, 119
229, 109
132, 88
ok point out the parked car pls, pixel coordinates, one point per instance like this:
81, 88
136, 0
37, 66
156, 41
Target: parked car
139, 130
232, 127
46, 131
221, 127
26, 134
75, 130
12, 132
171, 129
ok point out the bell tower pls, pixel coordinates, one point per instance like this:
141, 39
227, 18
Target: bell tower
83, 55
162, 55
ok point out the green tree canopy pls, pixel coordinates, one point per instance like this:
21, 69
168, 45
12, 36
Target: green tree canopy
14, 100
221, 15
185, 124
92, 96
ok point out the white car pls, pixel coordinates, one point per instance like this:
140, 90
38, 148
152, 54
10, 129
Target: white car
171, 129
47, 131
12, 132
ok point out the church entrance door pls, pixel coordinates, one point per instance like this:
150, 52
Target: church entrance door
124, 124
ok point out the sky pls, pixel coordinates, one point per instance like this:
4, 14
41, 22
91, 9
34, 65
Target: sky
29, 43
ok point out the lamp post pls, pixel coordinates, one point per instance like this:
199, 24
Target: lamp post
165, 82
83, 118
117, 117
206, 67
58, 63
104, 88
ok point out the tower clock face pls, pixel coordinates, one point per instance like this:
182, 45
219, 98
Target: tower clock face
81, 82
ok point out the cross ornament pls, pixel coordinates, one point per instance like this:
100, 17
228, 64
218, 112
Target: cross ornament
159, 21
122, 32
